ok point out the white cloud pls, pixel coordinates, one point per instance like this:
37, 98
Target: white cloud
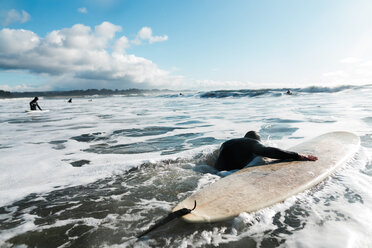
121, 44
352, 70
25, 17
107, 30
14, 16
23, 88
356, 67
79, 57
83, 10
17, 41
146, 34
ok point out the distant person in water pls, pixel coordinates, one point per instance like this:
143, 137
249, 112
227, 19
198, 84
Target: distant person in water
289, 92
34, 104
237, 153
69, 100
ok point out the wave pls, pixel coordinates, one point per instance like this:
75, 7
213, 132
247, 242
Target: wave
236, 93
323, 89
277, 92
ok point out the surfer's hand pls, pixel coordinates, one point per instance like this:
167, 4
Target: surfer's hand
307, 157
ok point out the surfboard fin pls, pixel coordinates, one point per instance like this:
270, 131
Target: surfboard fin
177, 214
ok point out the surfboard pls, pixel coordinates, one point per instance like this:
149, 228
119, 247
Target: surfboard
37, 111
257, 187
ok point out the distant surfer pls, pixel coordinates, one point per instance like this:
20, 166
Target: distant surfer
34, 104
69, 100
289, 92
237, 153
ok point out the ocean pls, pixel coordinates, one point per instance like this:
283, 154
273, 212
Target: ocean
100, 170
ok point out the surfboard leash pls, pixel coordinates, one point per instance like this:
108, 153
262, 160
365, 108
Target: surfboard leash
173, 215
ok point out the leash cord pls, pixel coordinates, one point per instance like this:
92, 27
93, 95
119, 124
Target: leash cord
177, 214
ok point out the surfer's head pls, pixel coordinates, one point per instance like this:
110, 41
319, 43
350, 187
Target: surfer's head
36, 98
253, 135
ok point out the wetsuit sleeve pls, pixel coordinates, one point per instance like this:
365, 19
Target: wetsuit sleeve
273, 152
38, 106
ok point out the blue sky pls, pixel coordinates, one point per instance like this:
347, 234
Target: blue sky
197, 44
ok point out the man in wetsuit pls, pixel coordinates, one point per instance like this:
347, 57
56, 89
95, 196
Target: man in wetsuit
237, 153
34, 104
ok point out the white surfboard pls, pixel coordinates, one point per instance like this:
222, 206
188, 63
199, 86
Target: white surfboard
37, 111
257, 187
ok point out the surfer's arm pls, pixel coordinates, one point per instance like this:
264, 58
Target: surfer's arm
273, 152
38, 106
276, 153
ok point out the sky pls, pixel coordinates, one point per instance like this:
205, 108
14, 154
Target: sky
190, 44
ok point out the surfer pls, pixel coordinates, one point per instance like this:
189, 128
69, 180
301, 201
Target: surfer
237, 153
69, 100
289, 92
34, 104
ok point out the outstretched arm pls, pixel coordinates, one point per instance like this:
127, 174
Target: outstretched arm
38, 106
276, 153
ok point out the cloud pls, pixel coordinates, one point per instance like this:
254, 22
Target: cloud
22, 88
107, 29
13, 41
146, 34
79, 57
121, 45
82, 10
352, 70
13, 16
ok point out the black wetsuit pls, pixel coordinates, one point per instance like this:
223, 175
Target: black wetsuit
237, 153
33, 105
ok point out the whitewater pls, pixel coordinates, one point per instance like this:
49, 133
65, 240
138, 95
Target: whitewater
100, 170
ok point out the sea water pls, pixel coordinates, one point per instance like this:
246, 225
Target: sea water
100, 170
